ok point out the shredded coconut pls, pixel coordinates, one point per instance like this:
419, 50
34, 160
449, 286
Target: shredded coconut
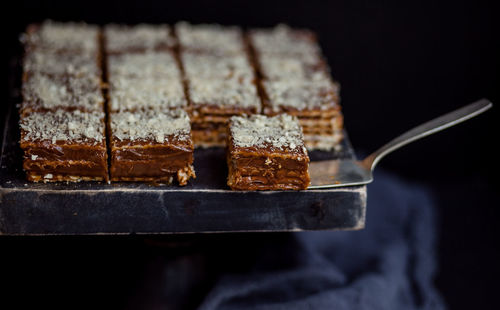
304, 67
283, 40
146, 93
56, 36
151, 125
55, 126
142, 65
223, 81
65, 91
144, 81
120, 38
76, 64
210, 38
282, 132
301, 94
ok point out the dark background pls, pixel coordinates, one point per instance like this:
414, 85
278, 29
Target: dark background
399, 64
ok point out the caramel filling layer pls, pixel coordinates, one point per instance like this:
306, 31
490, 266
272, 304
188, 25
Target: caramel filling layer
267, 173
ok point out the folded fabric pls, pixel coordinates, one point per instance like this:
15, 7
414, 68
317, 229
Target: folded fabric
388, 265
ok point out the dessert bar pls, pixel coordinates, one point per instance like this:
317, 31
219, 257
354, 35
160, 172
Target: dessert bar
152, 145
64, 146
267, 153
295, 79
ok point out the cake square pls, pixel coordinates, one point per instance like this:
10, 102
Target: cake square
151, 145
218, 88
119, 39
64, 146
267, 153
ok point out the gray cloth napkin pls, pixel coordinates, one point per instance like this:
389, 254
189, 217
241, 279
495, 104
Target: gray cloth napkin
388, 265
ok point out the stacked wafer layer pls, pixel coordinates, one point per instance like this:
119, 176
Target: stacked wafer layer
62, 114
220, 80
149, 131
295, 79
266, 153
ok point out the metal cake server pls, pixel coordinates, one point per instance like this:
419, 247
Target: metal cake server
339, 173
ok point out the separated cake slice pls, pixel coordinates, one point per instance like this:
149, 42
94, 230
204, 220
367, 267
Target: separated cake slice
267, 153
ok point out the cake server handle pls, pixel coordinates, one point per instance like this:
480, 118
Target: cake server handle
428, 128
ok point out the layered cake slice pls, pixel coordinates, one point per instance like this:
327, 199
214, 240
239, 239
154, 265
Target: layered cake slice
151, 145
64, 146
267, 153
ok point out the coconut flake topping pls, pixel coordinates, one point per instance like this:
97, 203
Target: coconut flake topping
151, 125
48, 92
301, 94
143, 65
283, 40
65, 126
210, 38
222, 81
76, 64
282, 132
57, 36
120, 38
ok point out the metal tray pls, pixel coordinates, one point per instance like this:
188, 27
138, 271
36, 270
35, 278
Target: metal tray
205, 205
